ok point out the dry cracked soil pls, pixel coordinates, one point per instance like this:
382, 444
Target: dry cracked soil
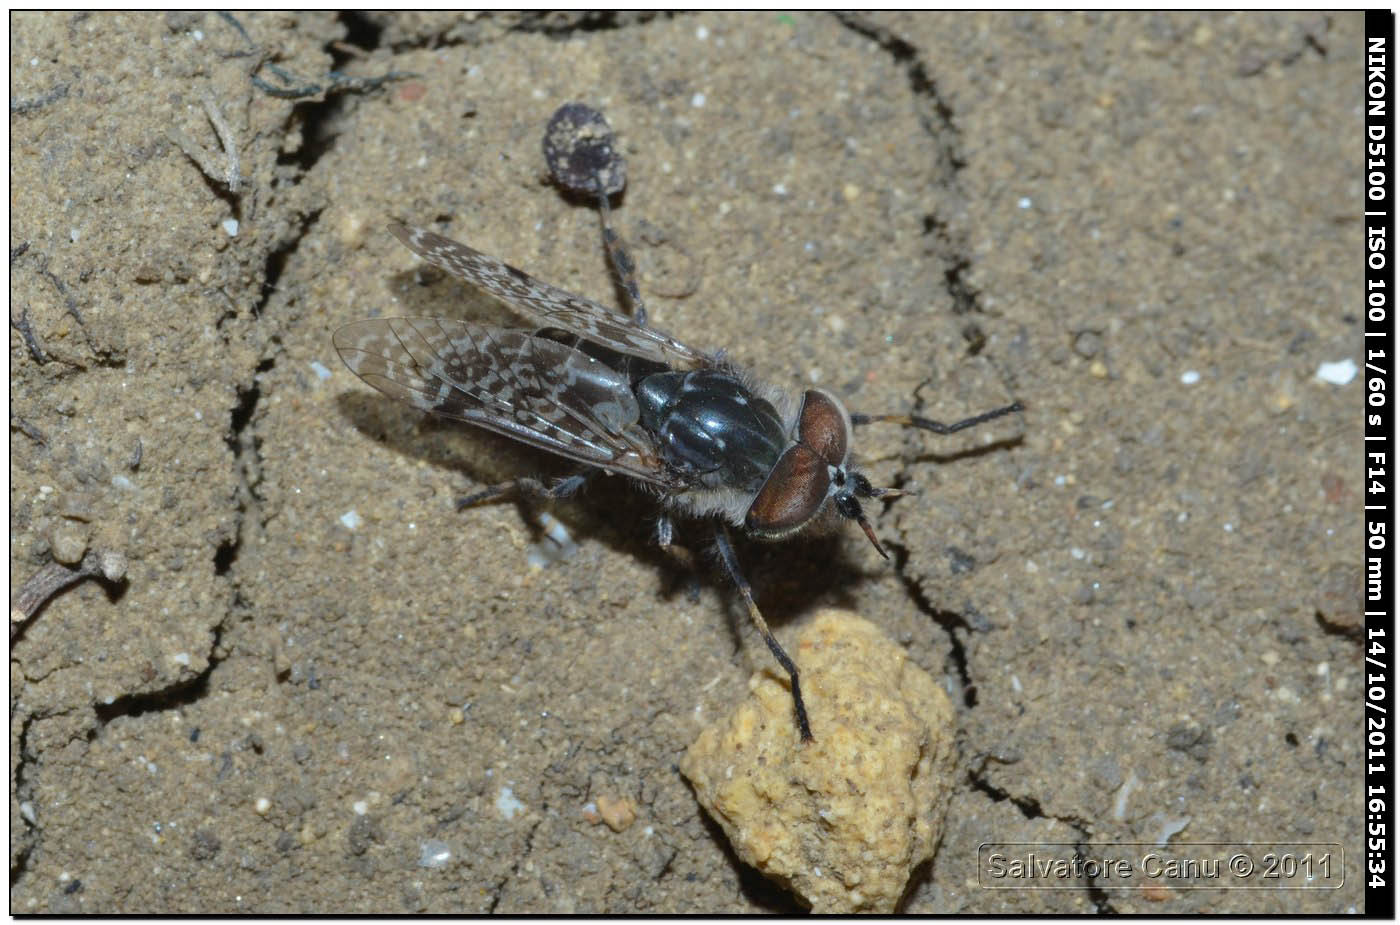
322, 688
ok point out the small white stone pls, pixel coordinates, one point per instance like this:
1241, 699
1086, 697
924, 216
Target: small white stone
261, 806
360, 807
1338, 373
230, 226
320, 370
1190, 377
351, 519
507, 805
434, 853
698, 100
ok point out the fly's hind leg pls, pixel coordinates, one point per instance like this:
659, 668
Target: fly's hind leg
528, 487
731, 564
621, 260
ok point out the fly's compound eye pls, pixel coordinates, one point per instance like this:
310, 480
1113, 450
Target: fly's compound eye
824, 426
795, 491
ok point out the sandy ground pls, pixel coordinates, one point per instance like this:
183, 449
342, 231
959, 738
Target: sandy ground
1143, 596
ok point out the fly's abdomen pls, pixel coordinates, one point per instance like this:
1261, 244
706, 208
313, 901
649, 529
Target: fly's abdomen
709, 424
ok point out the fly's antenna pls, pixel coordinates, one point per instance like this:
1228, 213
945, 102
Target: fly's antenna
583, 159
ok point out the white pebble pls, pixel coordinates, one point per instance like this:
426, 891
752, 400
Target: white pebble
351, 519
434, 853
702, 33
698, 100
360, 807
1190, 377
262, 805
507, 805
320, 370
230, 227
1338, 373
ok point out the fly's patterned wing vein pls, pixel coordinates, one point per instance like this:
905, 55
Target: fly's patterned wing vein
548, 306
535, 390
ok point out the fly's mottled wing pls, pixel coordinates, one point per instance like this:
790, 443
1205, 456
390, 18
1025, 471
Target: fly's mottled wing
536, 390
546, 305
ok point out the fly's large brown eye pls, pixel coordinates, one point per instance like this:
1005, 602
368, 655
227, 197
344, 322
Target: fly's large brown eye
794, 492
824, 426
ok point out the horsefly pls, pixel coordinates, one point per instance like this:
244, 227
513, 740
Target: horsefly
616, 395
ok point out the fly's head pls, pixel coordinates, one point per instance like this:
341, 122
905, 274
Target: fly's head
812, 473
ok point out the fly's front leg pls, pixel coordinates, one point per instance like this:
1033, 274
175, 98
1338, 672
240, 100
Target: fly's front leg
731, 564
938, 427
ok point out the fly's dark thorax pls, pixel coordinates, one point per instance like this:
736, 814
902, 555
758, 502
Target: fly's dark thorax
710, 425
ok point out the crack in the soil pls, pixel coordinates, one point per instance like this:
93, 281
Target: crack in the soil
23, 791
949, 620
180, 694
937, 115
276, 261
524, 853
948, 246
936, 118
1031, 808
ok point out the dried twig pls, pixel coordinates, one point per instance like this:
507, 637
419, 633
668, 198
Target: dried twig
228, 174
106, 566
21, 324
28, 429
